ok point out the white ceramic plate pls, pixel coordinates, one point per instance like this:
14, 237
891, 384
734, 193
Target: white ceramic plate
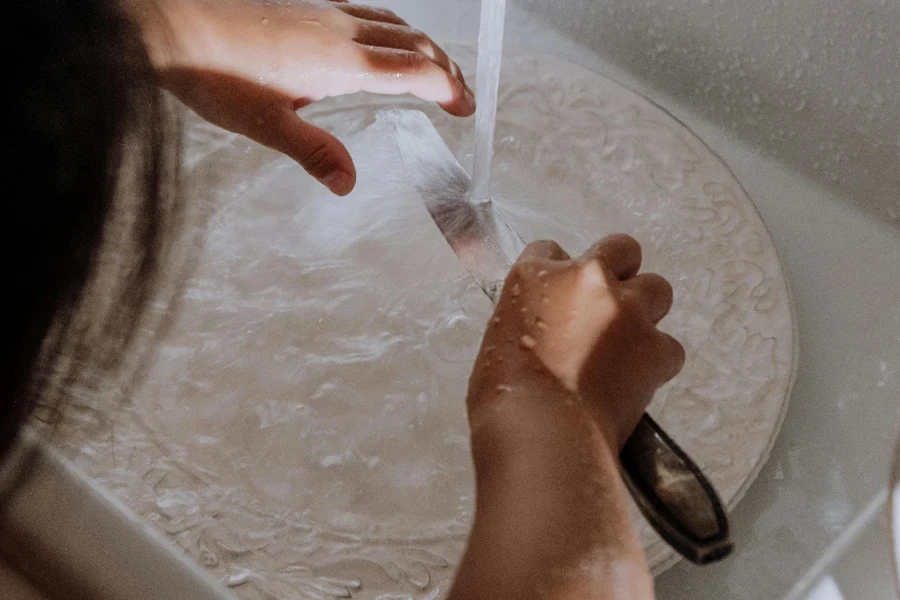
301, 430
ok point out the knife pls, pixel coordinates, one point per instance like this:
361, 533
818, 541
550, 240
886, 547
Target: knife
668, 487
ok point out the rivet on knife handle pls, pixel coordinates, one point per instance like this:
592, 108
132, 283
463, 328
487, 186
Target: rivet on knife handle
674, 495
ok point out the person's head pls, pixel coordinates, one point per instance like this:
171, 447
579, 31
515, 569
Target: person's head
80, 100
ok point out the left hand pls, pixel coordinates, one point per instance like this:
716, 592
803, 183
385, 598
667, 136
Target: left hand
249, 66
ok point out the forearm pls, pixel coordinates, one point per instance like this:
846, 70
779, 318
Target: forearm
551, 514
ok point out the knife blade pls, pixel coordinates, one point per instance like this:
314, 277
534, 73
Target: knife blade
477, 231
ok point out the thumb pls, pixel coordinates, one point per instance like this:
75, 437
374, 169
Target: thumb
321, 154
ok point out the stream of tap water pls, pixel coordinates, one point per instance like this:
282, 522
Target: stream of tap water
487, 79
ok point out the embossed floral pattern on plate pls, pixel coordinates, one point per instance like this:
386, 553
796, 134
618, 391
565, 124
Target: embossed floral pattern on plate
314, 445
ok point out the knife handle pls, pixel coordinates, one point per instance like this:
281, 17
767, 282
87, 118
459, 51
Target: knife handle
674, 495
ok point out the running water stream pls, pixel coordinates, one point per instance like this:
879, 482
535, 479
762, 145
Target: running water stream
490, 51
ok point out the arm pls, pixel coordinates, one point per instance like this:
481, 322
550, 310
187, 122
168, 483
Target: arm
557, 388
249, 66
551, 513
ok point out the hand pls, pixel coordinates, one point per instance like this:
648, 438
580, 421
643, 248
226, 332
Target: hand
588, 323
248, 66
568, 365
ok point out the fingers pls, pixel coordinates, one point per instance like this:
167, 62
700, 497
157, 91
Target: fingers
620, 254
393, 71
543, 250
654, 294
321, 154
389, 35
370, 13
673, 357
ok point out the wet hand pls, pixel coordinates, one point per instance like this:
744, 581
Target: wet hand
248, 66
587, 323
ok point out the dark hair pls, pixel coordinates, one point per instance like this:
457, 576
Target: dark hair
87, 144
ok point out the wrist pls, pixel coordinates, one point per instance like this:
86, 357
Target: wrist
173, 31
501, 384
538, 398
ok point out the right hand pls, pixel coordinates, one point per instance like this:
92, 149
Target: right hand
588, 323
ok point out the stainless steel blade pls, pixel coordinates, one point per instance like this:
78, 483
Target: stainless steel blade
667, 486
477, 231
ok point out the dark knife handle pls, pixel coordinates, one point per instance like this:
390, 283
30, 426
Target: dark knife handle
674, 495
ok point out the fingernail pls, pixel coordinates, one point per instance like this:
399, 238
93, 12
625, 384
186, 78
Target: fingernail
339, 182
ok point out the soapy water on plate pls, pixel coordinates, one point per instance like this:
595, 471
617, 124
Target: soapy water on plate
301, 429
